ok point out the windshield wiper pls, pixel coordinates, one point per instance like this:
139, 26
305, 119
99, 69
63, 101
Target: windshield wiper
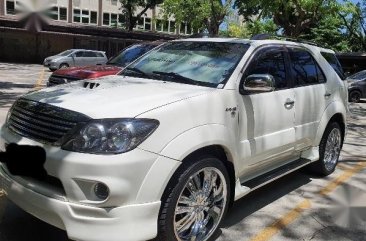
139, 71
177, 77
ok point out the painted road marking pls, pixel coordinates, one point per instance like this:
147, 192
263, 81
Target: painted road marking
268, 232
40, 80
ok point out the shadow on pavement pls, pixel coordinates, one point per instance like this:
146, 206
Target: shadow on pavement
11, 85
17, 225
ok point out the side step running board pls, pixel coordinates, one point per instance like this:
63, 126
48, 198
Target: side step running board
245, 188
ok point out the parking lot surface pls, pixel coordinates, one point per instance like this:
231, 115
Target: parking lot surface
298, 206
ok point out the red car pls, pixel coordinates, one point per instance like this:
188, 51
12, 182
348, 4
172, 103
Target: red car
113, 66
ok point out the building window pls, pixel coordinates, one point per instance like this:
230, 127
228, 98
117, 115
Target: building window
53, 13
93, 17
165, 26
10, 7
106, 19
63, 14
114, 2
77, 15
113, 20
85, 16
147, 24
159, 25
172, 27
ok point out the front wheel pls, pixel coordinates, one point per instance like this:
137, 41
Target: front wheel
195, 201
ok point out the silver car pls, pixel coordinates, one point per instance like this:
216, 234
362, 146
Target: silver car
75, 57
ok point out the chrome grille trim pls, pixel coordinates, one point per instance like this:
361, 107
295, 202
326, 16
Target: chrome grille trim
43, 122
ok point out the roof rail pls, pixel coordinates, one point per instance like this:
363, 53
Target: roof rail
264, 36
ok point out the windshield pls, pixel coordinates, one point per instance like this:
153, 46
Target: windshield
201, 63
65, 53
358, 76
130, 54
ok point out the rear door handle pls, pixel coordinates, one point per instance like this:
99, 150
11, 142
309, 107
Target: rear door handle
327, 94
289, 103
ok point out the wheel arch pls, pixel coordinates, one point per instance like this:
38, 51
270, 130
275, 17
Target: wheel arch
335, 112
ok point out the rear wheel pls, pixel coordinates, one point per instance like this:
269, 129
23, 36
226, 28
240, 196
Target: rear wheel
329, 150
195, 201
355, 96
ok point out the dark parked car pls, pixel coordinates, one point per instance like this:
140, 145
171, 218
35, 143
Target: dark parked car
357, 86
113, 66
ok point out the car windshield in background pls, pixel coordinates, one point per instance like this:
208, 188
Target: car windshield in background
358, 76
201, 63
130, 54
65, 53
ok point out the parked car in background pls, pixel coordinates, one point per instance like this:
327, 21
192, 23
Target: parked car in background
113, 66
75, 57
357, 86
163, 148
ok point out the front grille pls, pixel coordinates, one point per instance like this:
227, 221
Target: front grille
58, 79
43, 122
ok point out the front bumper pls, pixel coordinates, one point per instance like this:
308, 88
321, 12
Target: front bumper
131, 222
136, 181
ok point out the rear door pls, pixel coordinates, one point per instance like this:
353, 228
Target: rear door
91, 58
311, 95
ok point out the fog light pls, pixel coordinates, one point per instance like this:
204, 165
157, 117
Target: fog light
101, 191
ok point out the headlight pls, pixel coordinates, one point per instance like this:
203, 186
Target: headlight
111, 136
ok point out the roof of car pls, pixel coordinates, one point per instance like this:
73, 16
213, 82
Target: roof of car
258, 42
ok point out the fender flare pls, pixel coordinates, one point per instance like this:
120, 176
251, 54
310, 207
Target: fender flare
333, 108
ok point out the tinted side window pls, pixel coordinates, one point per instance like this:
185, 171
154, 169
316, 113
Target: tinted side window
89, 54
270, 61
305, 70
333, 61
100, 55
79, 54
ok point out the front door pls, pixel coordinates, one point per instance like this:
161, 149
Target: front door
267, 131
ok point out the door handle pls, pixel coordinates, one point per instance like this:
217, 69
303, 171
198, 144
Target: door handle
289, 103
327, 95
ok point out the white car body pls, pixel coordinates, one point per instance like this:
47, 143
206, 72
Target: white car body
256, 132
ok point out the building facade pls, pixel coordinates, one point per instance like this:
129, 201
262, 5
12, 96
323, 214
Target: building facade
89, 24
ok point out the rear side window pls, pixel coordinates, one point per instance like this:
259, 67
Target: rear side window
305, 70
100, 55
333, 61
90, 54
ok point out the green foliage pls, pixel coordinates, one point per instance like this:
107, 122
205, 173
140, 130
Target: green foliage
200, 14
250, 29
129, 8
293, 16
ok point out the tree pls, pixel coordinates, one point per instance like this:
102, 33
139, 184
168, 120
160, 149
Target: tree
353, 18
250, 29
200, 14
293, 16
329, 33
129, 8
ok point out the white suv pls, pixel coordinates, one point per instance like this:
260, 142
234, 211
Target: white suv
163, 149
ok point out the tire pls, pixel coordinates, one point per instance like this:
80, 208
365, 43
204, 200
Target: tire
329, 150
354, 96
63, 66
185, 200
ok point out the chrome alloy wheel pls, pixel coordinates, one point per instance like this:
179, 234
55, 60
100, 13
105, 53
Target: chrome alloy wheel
332, 149
200, 205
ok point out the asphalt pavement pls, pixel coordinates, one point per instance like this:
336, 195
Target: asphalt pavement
299, 206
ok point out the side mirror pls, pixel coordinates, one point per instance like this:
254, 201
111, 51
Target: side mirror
258, 83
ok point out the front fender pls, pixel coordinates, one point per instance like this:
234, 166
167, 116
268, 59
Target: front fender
202, 136
333, 108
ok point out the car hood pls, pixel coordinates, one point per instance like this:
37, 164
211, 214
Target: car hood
53, 57
86, 72
116, 96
